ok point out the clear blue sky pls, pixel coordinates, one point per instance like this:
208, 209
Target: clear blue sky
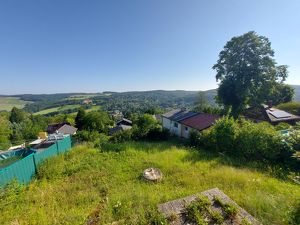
49, 46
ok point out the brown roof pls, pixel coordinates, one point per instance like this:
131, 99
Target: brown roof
200, 121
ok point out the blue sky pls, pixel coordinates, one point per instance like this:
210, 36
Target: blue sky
50, 46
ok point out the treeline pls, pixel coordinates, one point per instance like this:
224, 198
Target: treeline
94, 128
127, 102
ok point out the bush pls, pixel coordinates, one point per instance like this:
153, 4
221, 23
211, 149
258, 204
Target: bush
259, 141
282, 126
158, 133
87, 136
97, 139
252, 141
223, 134
121, 136
195, 139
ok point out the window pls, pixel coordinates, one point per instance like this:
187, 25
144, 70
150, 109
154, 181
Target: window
186, 128
175, 124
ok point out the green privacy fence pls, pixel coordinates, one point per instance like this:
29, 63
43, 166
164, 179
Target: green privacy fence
24, 169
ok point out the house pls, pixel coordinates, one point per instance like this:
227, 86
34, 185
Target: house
87, 102
117, 114
63, 128
52, 128
67, 129
198, 122
122, 125
124, 122
270, 114
181, 122
119, 128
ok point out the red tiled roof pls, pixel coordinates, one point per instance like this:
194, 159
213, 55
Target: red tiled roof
200, 121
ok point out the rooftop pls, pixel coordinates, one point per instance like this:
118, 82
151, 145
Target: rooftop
179, 114
200, 121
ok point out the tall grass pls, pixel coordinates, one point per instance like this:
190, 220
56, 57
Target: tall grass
105, 186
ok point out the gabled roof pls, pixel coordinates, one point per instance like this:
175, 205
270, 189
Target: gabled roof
52, 128
124, 121
67, 129
200, 121
178, 115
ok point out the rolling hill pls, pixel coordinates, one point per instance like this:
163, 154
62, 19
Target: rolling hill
133, 101
297, 92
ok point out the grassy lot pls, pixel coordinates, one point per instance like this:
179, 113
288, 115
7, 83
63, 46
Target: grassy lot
87, 183
7, 103
57, 109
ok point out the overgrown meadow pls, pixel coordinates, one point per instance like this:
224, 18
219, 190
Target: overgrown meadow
101, 186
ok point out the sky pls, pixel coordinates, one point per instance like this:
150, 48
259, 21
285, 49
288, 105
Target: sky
58, 46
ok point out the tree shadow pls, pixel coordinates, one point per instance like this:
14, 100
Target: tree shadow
278, 171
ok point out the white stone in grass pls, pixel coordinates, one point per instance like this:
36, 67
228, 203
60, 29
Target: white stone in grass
152, 174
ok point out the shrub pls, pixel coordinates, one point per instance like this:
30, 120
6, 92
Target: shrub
158, 133
223, 135
259, 141
121, 136
241, 138
294, 139
87, 136
195, 139
282, 126
148, 128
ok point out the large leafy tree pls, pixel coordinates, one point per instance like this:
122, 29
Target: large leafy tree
5, 132
201, 102
97, 121
17, 115
79, 119
249, 75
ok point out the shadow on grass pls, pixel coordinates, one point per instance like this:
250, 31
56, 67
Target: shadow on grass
279, 171
153, 146
195, 155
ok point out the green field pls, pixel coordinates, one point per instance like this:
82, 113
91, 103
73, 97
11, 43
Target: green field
106, 186
81, 97
57, 109
7, 103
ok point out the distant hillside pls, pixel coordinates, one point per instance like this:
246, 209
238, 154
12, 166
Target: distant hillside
297, 92
127, 102
7, 103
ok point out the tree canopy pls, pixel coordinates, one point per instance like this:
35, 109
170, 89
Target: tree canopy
79, 120
249, 75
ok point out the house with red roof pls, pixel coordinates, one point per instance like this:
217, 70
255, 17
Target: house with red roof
181, 122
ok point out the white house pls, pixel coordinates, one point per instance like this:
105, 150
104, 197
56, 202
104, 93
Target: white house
182, 122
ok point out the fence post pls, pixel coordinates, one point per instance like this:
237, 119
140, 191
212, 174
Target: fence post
57, 148
34, 163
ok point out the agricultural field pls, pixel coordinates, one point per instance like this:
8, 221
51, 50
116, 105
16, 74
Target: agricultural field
7, 103
57, 109
104, 185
